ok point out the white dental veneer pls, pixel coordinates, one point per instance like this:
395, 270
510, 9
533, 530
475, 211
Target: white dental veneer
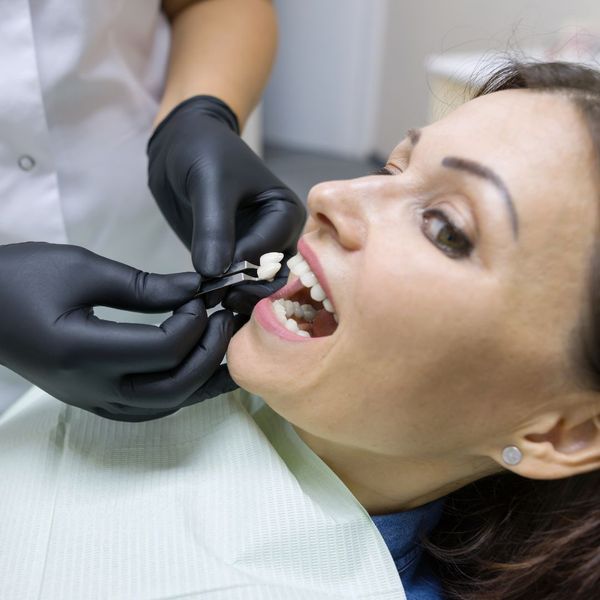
270, 264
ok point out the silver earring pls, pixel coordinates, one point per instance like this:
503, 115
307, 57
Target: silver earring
511, 455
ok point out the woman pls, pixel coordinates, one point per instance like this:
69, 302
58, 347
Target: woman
450, 365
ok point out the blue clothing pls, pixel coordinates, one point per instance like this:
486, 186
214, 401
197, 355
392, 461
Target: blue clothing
401, 532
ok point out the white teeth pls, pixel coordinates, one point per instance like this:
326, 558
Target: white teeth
289, 308
308, 279
317, 293
285, 309
292, 325
309, 312
268, 271
301, 269
279, 311
270, 258
292, 262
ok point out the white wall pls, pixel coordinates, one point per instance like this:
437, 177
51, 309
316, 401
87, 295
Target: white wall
323, 91
350, 76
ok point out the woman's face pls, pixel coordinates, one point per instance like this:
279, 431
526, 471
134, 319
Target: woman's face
456, 280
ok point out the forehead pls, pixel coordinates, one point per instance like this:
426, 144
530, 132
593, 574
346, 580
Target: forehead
517, 128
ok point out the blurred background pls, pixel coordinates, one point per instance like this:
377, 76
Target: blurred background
353, 75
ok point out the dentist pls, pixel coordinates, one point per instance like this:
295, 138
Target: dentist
105, 104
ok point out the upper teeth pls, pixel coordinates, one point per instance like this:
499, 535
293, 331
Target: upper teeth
270, 264
299, 267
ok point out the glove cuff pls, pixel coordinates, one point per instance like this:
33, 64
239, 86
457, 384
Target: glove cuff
205, 105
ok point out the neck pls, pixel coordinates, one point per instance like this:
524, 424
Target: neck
385, 484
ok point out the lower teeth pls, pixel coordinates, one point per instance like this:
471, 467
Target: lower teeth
284, 309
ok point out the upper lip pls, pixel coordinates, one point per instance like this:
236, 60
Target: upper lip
310, 257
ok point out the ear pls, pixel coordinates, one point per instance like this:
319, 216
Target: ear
558, 445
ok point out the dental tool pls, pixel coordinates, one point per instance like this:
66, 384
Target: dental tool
244, 271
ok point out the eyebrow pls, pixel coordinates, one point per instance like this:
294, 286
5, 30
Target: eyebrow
474, 168
414, 135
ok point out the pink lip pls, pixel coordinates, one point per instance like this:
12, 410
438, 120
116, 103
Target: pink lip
315, 266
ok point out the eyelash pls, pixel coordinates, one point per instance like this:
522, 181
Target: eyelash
463, 252
455, 232
383, 171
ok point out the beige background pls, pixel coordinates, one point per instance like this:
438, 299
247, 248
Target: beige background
417, 29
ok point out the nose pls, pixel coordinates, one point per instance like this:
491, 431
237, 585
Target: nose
339, 208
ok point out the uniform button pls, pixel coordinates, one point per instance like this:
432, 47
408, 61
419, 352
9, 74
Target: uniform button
26, 163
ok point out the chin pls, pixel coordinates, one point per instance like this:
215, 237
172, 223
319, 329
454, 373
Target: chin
235, 358
255, 369
244, 362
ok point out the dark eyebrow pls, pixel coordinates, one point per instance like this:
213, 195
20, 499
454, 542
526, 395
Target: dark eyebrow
414, 135
479, 170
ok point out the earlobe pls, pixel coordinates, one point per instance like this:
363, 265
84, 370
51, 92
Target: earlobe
558, 446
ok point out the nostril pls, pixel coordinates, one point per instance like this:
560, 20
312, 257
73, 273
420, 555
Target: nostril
324, 220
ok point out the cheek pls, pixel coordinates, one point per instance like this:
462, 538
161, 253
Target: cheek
419, 320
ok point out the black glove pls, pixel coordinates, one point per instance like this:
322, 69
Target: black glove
129, 372
218, 196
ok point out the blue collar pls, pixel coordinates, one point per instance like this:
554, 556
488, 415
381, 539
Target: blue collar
401, 531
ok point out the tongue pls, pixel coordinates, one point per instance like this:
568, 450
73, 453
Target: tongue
323, 324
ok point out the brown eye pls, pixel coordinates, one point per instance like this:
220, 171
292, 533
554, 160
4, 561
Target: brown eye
448, 238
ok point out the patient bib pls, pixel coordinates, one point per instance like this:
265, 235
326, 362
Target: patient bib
222, 501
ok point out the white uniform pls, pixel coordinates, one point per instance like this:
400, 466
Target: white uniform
81, 82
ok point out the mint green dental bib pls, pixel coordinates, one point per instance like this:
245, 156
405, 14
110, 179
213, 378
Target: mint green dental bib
221, 500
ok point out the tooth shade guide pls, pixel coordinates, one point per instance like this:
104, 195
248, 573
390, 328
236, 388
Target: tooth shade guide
268, 271
271, 258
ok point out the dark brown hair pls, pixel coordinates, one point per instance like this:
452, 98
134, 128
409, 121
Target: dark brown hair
506, 537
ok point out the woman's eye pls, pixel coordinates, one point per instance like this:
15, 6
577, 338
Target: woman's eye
439, 229
382, 171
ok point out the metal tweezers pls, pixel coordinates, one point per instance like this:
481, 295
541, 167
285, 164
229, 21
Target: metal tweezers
234, 275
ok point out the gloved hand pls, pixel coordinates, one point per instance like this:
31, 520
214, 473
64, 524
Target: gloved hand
130, 372
218, 196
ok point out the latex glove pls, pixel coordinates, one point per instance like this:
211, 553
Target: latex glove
242, 298
130, 372
218, 196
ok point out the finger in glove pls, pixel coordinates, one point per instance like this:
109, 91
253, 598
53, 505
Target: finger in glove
170, 390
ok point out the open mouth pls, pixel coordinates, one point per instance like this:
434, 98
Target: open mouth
302, 306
